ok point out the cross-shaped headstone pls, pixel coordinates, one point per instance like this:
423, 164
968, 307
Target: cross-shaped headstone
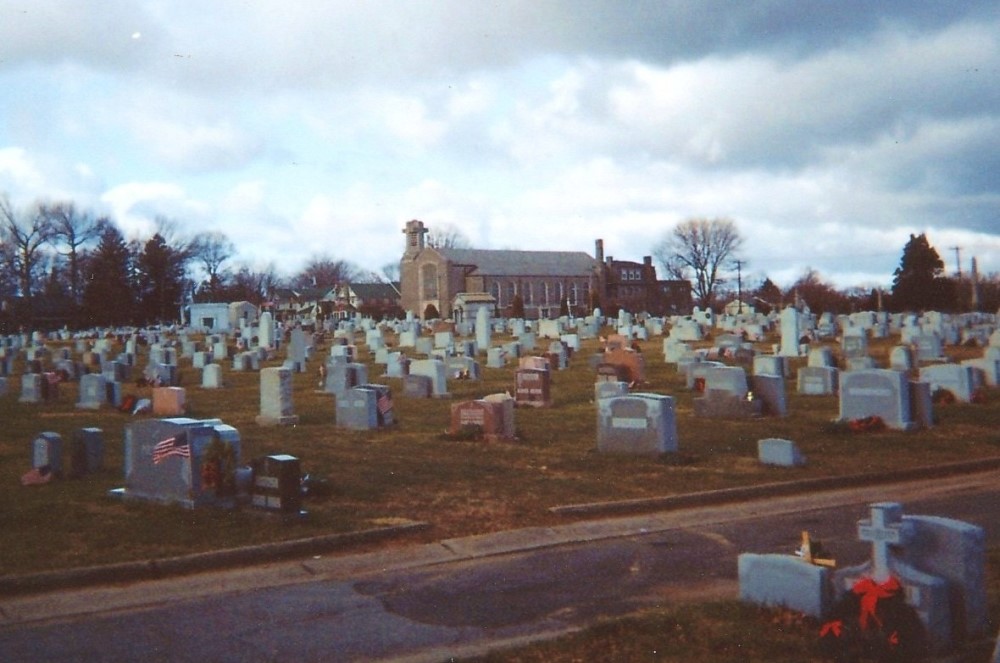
883, 529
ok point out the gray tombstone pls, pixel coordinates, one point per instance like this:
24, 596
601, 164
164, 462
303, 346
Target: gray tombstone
770, 390
784, 581
211, 376
434, 369
876, 392
817, 380
93, 392
417, 386
86, 451
276, 398
776, 451
47, 451
641, 424
164, 459
357, 409
956, 378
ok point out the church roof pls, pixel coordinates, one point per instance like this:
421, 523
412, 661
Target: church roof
522, 263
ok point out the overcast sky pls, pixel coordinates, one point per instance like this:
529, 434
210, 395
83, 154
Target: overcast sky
828, 131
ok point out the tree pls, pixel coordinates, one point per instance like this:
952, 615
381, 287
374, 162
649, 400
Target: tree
447, 236
72, 229
768, 296
24, 234
391, 272
250, 285
108, 296
818, 295
161, 268
517, 306
324, 271
698, 249
211, 249
919, 283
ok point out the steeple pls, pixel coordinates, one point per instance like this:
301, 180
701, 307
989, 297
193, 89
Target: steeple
415, 232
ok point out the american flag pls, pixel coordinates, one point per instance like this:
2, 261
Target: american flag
384, 402
172, 446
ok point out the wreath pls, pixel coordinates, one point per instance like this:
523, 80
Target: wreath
873, 622
870, 424
218, 469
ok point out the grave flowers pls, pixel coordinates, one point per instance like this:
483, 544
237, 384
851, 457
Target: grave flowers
872, 424
874, 622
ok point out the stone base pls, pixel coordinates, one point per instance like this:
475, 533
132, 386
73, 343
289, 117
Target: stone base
288, 420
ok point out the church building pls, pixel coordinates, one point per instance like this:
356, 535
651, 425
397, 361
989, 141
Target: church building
448, 279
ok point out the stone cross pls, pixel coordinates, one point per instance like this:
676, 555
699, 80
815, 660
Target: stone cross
885, 528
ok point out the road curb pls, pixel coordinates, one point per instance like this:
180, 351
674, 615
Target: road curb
155, 569
776, 489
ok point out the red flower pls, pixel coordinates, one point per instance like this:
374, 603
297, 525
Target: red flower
835, 627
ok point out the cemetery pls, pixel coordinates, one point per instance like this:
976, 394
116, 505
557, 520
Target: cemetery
587, 421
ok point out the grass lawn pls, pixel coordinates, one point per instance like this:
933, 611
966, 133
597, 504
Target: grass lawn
413, 471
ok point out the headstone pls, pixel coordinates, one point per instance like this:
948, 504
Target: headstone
901, 358
86, 452
641, 424
47, 451
821, 356
485, 418
855, 344
508, 427
532, 387
297, 350
211, 376
955, 378
434, 369
417, 386
817, 380
93, 392
876, 392
928, 347
776, 451
496, 358
790, 332
357, 409
181, 461
771, 365
784, 581
276, 398
169, 401
277, 483
770, 390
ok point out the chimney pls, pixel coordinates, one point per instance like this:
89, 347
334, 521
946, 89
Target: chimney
599, 250
647, 261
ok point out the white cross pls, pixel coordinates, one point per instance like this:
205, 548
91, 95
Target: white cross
883, 529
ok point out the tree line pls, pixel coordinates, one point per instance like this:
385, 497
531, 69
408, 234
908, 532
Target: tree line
707, 252
64, 266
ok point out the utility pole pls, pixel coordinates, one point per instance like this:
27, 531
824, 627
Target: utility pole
739, 287
958, 260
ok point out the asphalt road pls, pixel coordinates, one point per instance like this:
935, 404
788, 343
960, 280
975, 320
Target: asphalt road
458, 597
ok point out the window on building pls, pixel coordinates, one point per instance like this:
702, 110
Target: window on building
574, 294
495, 291
527, 294
429, 281
511, 291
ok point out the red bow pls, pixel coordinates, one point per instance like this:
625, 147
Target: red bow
871, 593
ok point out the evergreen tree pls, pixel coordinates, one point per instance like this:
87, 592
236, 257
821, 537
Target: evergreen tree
919, 282
108, 298
161, 270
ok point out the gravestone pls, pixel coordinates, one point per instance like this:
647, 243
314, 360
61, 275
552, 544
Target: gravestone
506, 408
482, 416
639, 424
297, 350
211, 376
901, 358
770, 391
496, 358
181, 461
436, 370
357, 409
47, 452
876, 392
726, 395
790, 346
855, 344
817, 380
169, 401
342, 376
926, 556
955, 378
93, 392
397, 365
784, 581
771, 365
821, 357
921, 404
276, 398
86, 452
928, 348
532, 387
417, 386
608, 389
277, 483
779, 452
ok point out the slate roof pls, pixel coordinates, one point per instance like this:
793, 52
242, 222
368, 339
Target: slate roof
370, 291
522, 263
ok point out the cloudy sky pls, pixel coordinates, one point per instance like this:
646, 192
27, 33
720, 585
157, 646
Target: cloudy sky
828, 131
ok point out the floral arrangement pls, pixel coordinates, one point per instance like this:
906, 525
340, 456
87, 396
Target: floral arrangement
870, 424
873, 622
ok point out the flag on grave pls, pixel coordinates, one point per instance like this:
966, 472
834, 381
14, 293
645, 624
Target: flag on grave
384, 402
172, 446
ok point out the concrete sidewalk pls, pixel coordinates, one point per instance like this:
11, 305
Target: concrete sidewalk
470, 547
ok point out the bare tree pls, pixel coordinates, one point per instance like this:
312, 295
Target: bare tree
323, 271
72, 229
211, 249
24, 235
698, 249
447, 236
391, 271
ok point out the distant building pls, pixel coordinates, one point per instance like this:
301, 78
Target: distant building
543, 280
